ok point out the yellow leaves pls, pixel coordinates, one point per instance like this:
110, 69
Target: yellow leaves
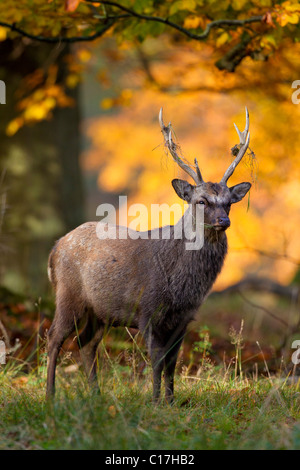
3, 33
238, 4
38, 106
14, 126
222, 39
268, 42
40, 110
262, 3
35, 112
107, 103
285, 18
289, 6
124, 99
84, 55
288, 13
13, 14
194, 22
181, 5
72, 80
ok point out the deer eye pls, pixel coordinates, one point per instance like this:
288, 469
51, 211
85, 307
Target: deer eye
201, 202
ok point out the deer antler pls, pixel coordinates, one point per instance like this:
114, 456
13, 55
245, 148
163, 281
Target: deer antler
244, 143
172, 147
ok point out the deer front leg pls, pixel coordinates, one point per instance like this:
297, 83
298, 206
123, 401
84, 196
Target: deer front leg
170, 364
156, 351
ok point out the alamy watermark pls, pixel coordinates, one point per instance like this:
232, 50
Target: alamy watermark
2, 92
2, 352
190, 227
296, 354
296, 94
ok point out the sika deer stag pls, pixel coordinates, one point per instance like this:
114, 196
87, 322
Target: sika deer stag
155, 285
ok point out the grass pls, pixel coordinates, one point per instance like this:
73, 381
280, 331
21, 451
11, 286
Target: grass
217, 410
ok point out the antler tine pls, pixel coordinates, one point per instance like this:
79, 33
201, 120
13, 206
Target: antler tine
172, 147
244, 143
198, 171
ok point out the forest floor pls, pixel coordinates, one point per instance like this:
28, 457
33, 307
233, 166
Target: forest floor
215, 408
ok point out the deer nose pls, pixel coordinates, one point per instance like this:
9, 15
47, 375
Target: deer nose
224, 221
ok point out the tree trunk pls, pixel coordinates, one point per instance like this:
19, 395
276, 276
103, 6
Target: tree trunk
43, 181
66, 133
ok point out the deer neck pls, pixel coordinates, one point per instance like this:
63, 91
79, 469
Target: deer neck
190, 274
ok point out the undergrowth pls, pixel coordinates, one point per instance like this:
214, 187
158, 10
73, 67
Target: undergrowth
216, 408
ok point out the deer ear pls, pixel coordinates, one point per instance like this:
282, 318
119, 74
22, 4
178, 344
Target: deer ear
183, 189
239, 191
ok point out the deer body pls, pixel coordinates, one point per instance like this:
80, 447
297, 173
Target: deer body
155, 285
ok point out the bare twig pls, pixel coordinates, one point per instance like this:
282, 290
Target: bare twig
264, 309
261, 284
60, 39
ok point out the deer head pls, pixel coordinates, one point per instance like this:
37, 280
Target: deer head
216, 197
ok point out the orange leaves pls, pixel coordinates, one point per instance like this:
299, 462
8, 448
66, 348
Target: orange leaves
38, 106
124, 99
42, 96
112, 411
127, 151
20, 381
112, 180
71, 5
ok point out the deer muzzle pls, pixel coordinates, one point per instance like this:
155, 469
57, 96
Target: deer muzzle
222, 223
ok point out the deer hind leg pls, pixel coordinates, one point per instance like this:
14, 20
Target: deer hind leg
67, 315
88, 341
61, 328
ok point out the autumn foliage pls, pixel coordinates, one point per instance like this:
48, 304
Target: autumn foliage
203, 62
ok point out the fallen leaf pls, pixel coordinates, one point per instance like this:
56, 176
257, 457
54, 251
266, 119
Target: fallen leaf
112, 411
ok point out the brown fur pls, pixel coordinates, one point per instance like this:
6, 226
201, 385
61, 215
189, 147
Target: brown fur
155, 285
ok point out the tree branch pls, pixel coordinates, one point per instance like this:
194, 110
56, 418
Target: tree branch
199, 37
59, 39
111, 20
